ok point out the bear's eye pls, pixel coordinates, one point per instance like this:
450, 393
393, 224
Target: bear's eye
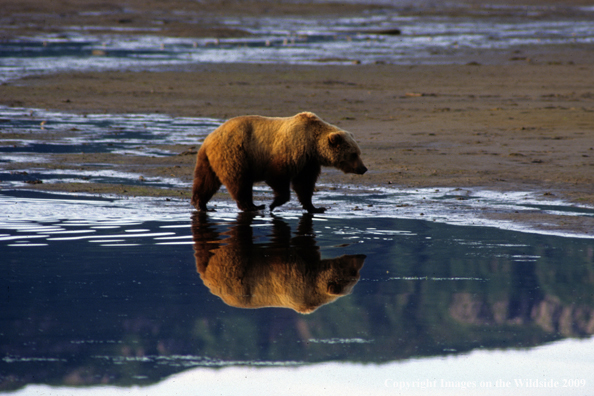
353, 156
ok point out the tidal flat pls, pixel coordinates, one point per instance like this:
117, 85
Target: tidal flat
463, 259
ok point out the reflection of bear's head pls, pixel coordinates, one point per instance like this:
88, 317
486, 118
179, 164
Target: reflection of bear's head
287, 272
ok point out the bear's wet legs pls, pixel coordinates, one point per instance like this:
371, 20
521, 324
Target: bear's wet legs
206, 182
304, 184
282, 192
241, 192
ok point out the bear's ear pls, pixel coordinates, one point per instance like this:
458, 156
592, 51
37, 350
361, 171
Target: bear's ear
335, 288
335, 139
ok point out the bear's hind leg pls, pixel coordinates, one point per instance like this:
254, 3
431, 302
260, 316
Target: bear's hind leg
206, 182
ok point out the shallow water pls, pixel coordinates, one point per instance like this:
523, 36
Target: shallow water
106, 291
434, 34
51, 132
33, 136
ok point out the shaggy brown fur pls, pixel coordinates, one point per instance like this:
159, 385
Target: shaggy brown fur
279, 151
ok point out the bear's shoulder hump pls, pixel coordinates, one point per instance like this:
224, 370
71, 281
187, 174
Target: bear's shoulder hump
307, 116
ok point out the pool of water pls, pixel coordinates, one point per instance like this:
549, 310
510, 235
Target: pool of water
107, 294
37, 131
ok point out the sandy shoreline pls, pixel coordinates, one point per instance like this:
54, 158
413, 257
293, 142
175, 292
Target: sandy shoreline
509, 122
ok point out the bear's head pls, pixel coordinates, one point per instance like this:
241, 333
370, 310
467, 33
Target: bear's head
335, 146
345, 153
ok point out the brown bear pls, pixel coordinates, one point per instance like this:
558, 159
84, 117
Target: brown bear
287, 272
279, 151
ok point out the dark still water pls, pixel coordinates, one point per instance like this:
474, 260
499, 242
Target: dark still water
108, 296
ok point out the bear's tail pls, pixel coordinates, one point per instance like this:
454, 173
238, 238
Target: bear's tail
206, 182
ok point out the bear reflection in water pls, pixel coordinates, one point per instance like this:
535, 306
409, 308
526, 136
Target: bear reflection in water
286, 272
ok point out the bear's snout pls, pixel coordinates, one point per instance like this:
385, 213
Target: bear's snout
355, 167
359, 167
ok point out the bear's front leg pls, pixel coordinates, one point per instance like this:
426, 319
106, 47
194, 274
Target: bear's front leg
304, 184
241, 192
282, 193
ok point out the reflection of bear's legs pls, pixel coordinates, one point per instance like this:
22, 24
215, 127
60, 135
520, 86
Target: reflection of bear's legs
304, 184
241, 191
206, 182
282, 192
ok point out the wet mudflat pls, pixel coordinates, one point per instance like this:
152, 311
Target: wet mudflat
462, 261
153, 155
121, 284
392, 34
